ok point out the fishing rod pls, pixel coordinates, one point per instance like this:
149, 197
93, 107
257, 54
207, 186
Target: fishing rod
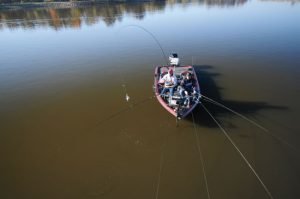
132, 105
157, 42
153, 37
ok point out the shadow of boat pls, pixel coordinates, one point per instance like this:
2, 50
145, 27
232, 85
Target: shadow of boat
212, 90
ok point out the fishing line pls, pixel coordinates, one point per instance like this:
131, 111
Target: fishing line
241, 154
110, 117
124, 85
159, 174
161, 164
251, 121
153, 37
201, 156
229, 109
157, 42
125, 92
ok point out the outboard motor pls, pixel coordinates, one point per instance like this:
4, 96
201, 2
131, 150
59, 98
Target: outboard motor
174, 59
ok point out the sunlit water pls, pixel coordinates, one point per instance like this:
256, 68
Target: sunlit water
66, 130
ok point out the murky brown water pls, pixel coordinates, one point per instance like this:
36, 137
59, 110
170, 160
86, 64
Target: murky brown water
66, 130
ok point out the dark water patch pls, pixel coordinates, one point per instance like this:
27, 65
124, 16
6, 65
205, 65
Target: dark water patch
212, 90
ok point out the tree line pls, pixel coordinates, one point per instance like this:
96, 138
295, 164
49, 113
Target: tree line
46, 1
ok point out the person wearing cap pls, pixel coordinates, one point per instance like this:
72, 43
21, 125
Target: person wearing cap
170, 81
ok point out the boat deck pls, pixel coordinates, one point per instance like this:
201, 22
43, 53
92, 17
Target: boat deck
177, 105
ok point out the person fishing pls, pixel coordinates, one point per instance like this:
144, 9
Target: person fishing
186, 89
187, 82
170, 81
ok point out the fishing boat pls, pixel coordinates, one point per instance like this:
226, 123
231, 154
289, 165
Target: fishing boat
183, 96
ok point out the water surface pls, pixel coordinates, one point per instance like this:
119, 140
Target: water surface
66, 130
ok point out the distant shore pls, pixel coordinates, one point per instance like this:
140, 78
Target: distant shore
65, 4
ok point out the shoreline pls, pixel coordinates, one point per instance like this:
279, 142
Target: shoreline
67, 4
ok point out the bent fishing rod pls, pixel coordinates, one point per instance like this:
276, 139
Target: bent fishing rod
153, 37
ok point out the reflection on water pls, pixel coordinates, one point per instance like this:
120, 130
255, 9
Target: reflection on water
108, 13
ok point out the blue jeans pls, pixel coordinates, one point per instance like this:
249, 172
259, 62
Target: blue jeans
165, 89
